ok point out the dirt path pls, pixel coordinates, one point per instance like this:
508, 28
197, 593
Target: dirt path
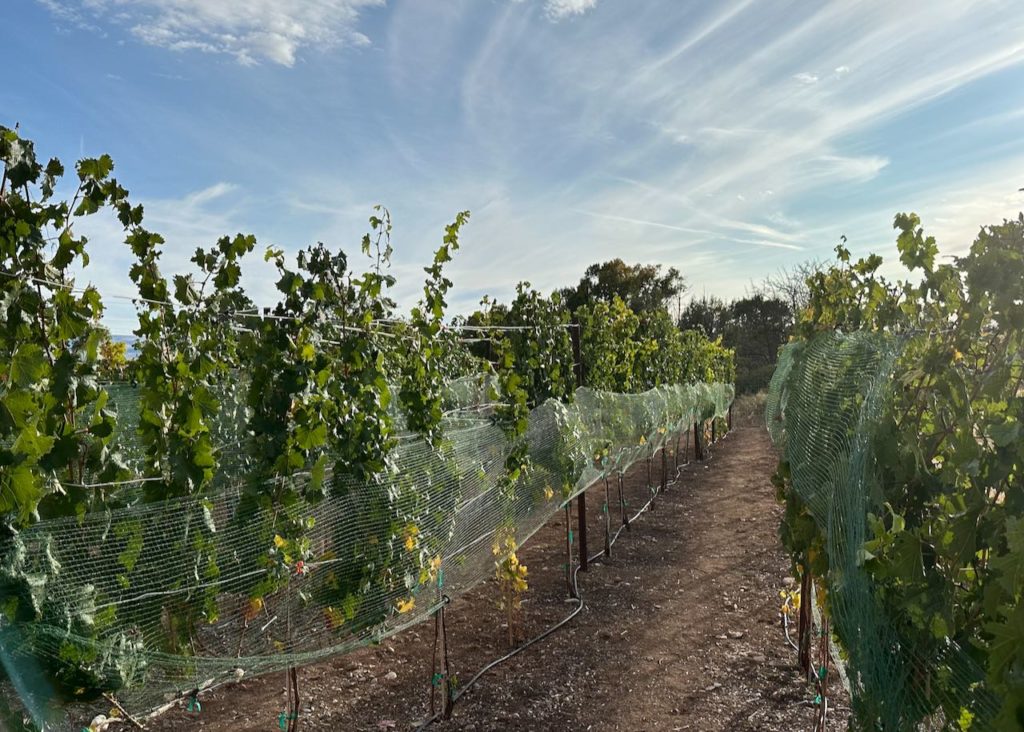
680, 629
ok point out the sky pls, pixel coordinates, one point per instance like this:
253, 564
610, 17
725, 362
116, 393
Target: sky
727, 139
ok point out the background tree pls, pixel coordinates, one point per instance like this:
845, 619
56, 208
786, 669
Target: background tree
708, 314
790, 284
755, 327
642, 287
113, 357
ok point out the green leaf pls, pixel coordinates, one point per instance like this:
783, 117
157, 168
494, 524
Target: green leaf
1010, 566
27, 365
1007, 642
1005, 433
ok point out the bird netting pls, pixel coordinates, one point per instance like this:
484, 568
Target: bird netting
155, 601
827, 403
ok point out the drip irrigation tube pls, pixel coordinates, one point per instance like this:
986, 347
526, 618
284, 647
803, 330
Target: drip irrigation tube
578, 597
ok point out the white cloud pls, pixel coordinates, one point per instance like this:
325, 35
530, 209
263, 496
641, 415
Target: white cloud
672, 132
211, 193
249, 30
851, 168
558, 9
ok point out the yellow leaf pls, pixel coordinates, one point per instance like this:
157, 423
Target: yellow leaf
253, 608
643, 440
405, 606
278, 541
410, 543
335, 618
548, 493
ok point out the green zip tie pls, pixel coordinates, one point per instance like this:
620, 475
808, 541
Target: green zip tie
604, 508
570, 536
436, 679
282, 721
821, 672
194, 705
817, 700
440, 578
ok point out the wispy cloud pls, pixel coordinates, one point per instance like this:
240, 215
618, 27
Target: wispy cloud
558, 9
846, 167
726, 139
249, 30
642, 222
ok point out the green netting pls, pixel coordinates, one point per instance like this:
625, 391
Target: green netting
116, 595
823, 410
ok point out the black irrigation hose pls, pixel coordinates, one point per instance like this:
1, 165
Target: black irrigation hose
561, 623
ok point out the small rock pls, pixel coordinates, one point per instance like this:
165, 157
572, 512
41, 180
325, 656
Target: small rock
736, 634
391, 676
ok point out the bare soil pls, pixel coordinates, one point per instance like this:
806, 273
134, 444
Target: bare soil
680, 629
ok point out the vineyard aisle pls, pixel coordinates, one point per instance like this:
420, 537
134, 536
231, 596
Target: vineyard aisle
680, 631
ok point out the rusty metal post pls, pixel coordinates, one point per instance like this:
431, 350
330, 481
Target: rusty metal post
804, 629
581, 509
581, 500
675, 454
650, 481
664, 469
622, 504
568, 548
447, 700
607, 520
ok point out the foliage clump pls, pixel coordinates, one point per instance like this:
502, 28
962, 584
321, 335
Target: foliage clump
244, 422
945, 526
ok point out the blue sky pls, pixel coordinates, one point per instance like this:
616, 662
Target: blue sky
727, 139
